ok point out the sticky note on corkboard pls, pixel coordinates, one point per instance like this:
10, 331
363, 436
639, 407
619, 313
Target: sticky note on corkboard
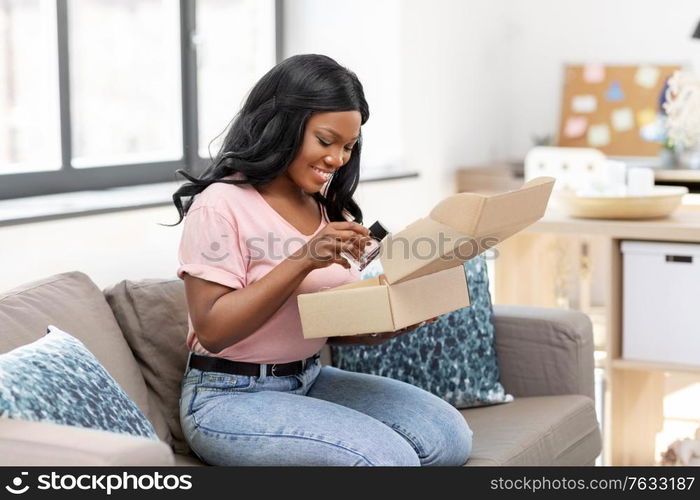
620, 93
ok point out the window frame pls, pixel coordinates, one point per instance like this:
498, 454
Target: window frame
69, 179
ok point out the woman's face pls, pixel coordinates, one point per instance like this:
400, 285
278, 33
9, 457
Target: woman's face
327, 146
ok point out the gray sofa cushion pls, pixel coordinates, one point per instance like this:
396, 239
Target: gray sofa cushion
50, 445
152, 314
543, 430
543, 351
73, 303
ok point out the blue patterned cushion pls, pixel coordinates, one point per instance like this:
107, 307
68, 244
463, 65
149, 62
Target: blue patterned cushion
57, 379
454, 358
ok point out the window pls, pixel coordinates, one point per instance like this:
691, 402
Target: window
30, 138
125, 81
106, 93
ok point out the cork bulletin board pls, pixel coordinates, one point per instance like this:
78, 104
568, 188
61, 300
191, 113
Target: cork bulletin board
615, 109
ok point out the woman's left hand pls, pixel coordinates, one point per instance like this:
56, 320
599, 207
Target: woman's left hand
376, 338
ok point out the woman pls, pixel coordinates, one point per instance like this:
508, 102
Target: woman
268, 223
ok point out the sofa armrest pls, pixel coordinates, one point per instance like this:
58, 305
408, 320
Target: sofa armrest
44, 443
544, 351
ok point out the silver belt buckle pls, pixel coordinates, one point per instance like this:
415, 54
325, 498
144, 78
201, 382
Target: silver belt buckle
273, 369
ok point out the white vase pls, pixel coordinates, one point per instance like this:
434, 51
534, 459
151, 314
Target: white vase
689, 158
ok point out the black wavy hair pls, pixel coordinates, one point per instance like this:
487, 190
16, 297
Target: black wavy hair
267, 133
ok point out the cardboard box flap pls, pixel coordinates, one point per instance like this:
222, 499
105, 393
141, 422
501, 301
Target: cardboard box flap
507, 213
480, 215
410, 304
461, 227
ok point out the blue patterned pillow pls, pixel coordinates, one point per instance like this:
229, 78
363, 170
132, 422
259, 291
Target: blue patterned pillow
454, 358
57, 379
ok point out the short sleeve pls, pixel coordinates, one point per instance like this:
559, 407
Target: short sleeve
210, 249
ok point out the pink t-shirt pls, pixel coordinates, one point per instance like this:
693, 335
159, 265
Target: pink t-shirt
233, 237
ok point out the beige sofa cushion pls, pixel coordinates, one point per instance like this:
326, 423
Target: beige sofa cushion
153, 316
49, 444
542, 430
73, 303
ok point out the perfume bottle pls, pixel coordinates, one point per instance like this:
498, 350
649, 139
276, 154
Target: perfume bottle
377, 233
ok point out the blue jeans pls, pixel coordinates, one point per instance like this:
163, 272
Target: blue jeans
324, 416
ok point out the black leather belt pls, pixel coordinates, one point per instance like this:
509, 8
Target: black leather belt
212, 364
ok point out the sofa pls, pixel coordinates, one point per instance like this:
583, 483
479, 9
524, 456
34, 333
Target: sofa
137, 330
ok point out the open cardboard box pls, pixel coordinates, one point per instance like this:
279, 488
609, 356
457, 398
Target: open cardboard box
423, 272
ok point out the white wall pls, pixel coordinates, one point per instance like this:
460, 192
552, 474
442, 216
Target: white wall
108, 248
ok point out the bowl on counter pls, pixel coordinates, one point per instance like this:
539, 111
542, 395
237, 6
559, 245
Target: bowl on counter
661, 202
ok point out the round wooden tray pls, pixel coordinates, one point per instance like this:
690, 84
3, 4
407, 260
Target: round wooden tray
661, 203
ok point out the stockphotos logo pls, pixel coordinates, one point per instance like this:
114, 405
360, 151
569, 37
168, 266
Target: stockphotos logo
107, 483
17, 488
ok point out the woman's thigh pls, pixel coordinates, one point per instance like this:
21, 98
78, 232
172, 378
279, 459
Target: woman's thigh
437, 431
281, 428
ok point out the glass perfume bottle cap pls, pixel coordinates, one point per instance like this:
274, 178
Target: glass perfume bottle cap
378, 231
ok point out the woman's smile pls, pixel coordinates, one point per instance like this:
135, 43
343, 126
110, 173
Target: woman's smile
321, 175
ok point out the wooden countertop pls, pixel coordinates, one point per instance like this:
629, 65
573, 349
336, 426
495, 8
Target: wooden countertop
681, 225
677, 175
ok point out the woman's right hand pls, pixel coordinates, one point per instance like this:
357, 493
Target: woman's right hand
324, 248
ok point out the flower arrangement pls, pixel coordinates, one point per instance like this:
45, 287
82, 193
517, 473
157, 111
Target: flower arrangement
682, 107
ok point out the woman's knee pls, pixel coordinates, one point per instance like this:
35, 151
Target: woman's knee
458, 438
447, 441
393, 453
